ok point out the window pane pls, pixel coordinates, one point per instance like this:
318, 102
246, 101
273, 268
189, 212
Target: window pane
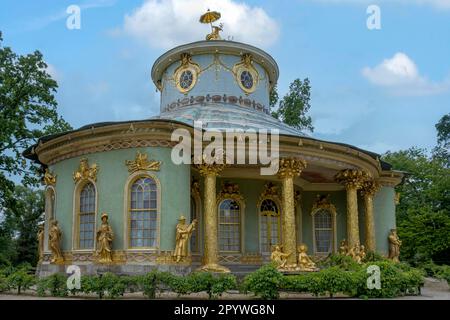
323, 222
229, 226
87, 217
269, 225
143, 213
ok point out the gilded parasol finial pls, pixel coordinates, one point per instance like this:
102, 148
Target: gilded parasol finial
210, 17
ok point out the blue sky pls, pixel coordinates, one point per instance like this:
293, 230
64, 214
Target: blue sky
376, 89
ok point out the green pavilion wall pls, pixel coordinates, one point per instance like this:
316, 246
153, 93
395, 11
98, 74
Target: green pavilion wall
110, 186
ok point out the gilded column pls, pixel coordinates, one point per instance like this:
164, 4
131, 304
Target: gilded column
352, 180
289, 169
370, 188
210, 259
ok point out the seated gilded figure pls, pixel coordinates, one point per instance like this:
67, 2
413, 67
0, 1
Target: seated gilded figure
278, 257
304, 261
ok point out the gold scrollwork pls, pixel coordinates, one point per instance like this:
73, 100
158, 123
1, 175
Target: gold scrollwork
186, 74
141, 162
85, 172
245, 74
230, 191
323, 203
49, 178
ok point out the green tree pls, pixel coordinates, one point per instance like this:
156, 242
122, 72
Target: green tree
28, 111
22, 220
423, 214
442, 150
294, 106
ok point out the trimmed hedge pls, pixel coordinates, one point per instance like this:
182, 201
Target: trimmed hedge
396, 280
341, 276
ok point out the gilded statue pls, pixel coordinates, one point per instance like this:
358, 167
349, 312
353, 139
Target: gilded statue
49, 178
105, 237
304, 261
215, 34
40, 238
394, 246
343, 247
141, 162
85, 172
54, 240
278, 257
183, 233
357, 252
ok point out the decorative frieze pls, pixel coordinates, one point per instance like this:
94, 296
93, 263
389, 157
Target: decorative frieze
225, 99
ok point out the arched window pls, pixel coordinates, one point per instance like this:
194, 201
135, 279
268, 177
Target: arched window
270, 225
229, 226
50, 204
143, 213
323, 231
86, 217
194, 236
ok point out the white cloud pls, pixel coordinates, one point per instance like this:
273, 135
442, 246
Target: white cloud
166, 23
401, 76
438, 4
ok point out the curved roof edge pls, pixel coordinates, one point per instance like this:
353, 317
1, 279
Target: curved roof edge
31, 155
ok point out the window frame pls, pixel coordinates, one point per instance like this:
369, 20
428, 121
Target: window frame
127, 208
332, 211
50, 212
280, 231
241, 204
76, 216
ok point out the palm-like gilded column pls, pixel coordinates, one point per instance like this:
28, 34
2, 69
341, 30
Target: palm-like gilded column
289, 169
369, 189
352, 180
210, 259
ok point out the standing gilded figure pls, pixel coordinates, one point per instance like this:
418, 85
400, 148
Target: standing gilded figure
394, 246
105, 237
183, 232
54, 240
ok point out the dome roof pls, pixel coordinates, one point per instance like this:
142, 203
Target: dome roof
215, 116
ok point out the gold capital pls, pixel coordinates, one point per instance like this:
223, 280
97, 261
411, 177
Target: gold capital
291, 167
351, 179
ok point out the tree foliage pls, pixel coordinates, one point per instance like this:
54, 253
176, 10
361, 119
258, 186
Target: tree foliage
21, 220
28, 111
294, 106
423, 214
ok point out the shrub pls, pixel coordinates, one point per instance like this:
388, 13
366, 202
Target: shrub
55, 284
264, 282
372, 256
341, 261
3, 283
20, 280
108, 284
394, 280
152, 282
215, 286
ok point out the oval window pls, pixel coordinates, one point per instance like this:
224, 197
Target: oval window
247, 79
186, 79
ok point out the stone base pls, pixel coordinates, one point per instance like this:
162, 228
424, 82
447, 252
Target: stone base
44, 270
